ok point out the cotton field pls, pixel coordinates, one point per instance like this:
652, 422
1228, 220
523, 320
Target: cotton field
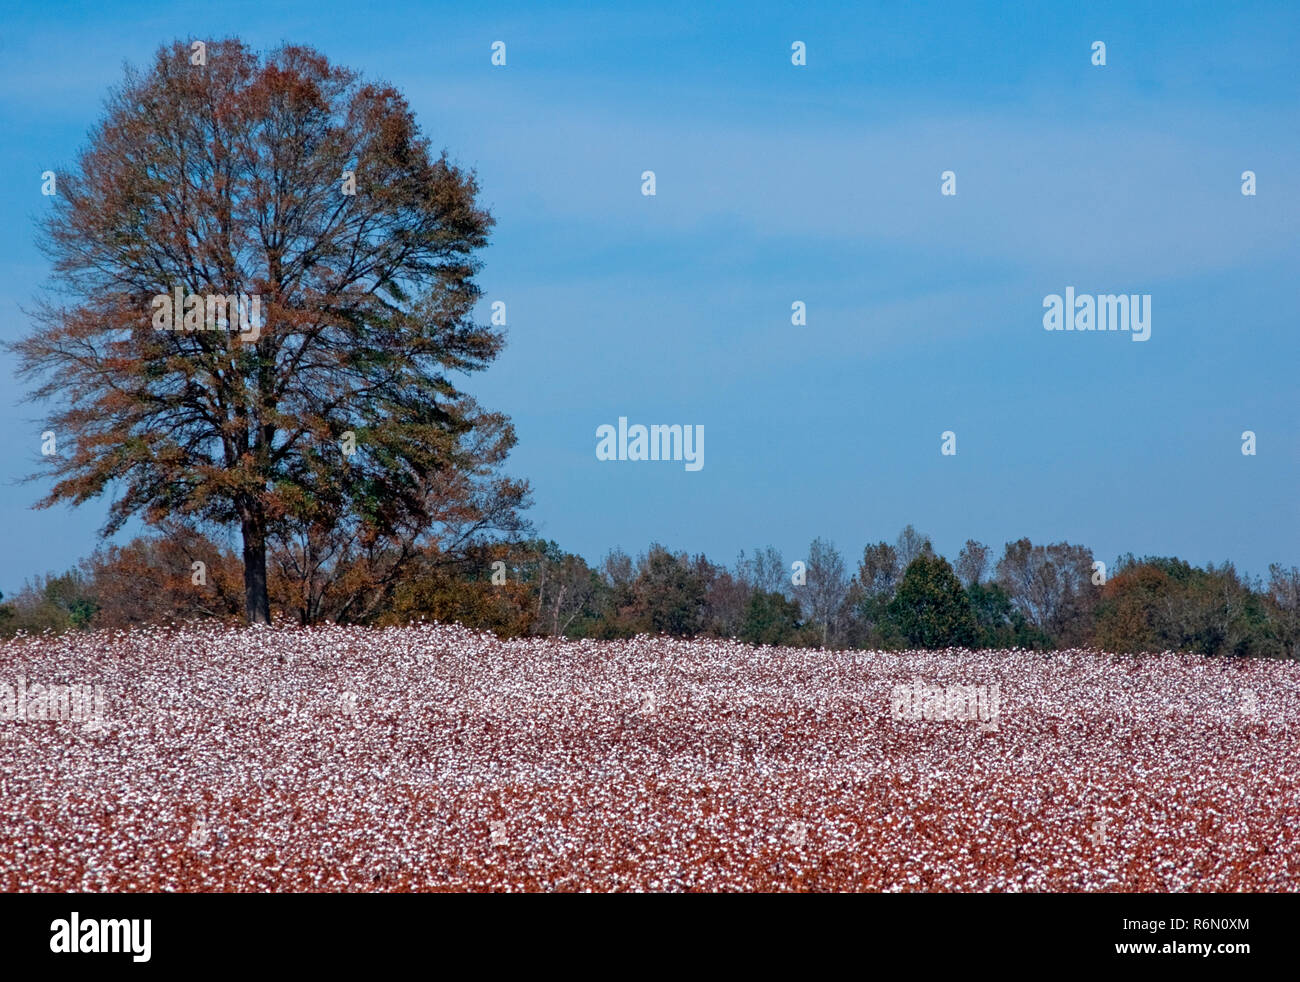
436, 758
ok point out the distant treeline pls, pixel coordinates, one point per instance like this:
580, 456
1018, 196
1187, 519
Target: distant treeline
901, 595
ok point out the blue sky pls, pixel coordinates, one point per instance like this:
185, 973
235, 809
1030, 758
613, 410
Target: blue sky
820, 183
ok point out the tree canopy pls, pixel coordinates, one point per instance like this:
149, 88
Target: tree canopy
336, 428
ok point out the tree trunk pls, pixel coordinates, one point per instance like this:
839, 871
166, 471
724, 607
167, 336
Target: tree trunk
257, 603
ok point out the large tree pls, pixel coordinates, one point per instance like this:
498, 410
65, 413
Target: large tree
1052, 586
222, 172
930, 607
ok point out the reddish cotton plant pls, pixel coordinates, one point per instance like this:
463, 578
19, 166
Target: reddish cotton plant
432, 757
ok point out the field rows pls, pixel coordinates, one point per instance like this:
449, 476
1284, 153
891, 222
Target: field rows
435, 758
